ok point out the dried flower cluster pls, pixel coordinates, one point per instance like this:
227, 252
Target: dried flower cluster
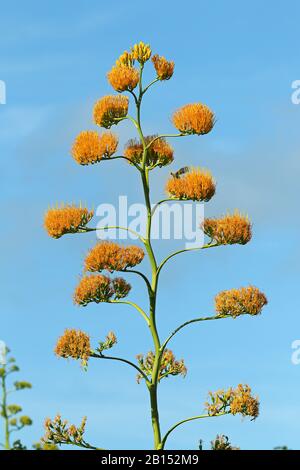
160, 153
244, 403
164, 69
246, 300
98, 288
75, 344
68, 219
197, 185
60, 432
109, 342
169, 365
111, 256
90, 147
229, 229
222, 443
110, 109
194, 118
234, 401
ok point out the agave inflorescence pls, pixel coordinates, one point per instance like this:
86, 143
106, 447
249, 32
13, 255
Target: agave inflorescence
195, 184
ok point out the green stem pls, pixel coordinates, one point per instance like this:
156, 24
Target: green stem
163, 136
150, 84
152, 387
194, 320
132, 304
4, 414
116, 227
142, 275
166, 200
183, 251
163, 442
152, 317
120, 359
124, 158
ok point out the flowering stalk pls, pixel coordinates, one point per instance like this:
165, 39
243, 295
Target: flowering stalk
9, 412
193, 184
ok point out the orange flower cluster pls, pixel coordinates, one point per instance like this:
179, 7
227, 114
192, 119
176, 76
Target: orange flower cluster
169, 365
98, 288
68, 219
123, 77
194, 118
111, 256
160, 153
244, 301
58, 431
110, 109
234, 401
75, 344
141, 52
197, 185
164, 69
90, 147
229, 229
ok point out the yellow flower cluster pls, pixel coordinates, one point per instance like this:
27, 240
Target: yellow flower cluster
111, 256
98, 288
197, 185
123, 77
160, 153
194, 118
75, 344
169, 365
246, 300
68, 219
229, 229
234, 401
58, 431
141, 52
164, 69
125, 59
110, 109
90, 147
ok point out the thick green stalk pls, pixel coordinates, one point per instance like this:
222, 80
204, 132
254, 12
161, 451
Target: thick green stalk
152, 317
4, 413
152, 387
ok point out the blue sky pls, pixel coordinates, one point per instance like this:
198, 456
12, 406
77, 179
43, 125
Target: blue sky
238, 58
